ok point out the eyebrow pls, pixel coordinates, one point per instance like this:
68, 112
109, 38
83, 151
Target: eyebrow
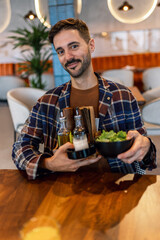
71, 43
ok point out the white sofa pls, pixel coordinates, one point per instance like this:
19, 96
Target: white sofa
152, 94
151, 78
151, 116
121, 76
21, 101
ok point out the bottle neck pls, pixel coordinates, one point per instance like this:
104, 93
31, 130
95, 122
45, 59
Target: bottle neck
78, 122
63, 124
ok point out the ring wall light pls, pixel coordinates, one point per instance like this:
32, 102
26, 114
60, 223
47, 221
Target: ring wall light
141, 10
5, 15
77, 7
41, 7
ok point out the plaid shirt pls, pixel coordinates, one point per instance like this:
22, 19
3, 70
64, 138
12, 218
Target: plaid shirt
118, 110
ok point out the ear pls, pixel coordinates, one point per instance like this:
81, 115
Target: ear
91, 45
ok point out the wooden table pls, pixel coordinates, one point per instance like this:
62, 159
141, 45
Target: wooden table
90, 204
137, 94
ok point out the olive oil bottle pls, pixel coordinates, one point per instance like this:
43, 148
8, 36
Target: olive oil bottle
63, 133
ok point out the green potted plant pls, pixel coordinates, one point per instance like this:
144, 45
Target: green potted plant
35, 40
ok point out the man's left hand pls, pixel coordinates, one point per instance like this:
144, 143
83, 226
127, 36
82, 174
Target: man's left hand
138, 150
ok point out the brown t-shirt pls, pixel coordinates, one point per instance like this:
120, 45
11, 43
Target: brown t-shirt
88, 97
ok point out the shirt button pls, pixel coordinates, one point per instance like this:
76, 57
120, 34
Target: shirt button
108, 98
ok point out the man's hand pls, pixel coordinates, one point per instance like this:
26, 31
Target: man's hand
138, 150
60, 162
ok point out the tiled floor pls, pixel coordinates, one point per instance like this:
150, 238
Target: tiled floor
6, 141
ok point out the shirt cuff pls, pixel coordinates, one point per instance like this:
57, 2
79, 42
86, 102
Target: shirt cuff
41, 170
149, 161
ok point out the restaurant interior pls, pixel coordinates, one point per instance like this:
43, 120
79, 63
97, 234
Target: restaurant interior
127, 51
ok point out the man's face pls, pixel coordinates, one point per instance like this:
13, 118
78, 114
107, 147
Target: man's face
73, 52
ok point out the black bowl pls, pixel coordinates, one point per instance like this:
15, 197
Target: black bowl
72, 154
112, 149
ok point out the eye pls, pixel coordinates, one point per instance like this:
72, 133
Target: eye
60, 52
74, 46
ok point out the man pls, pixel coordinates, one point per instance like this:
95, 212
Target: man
113, 103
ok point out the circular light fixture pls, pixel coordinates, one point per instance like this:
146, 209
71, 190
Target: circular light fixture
42, 12
77, 7
140, 10
5, 16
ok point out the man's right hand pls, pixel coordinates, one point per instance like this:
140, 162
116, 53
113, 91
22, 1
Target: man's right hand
60, 162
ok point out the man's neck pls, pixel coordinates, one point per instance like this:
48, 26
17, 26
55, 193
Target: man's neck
86, 81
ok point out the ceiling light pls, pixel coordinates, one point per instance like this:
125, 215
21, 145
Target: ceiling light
104, 34
125, 7
30, 15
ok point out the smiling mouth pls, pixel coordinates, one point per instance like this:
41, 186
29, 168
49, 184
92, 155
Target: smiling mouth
72, 64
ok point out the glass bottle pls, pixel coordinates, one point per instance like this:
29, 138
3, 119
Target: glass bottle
63, 133
80, 140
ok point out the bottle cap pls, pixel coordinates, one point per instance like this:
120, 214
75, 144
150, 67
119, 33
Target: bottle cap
78, 115
62, 118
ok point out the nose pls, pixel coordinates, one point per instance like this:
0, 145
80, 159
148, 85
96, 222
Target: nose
68, 55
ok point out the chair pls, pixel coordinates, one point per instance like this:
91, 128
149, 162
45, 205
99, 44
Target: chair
121, 76
47, 79
7, 83
151, 117
151, 78
20, 101
152, 94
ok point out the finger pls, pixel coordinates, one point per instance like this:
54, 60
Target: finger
79, 163
89, 161
66, 146
90, 157
129, 160
128, 154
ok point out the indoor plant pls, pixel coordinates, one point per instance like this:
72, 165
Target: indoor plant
35, 40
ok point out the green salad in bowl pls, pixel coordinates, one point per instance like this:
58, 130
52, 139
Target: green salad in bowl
110, 143
112, 136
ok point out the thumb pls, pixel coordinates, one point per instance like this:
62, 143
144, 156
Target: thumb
132, 134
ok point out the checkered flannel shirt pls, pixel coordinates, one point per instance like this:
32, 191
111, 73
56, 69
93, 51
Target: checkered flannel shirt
118, 110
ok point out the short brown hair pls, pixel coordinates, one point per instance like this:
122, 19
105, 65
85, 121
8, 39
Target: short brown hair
70, 23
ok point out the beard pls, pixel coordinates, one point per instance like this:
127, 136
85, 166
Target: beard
85, 64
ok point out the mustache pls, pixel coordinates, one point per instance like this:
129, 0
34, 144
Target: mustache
72, 61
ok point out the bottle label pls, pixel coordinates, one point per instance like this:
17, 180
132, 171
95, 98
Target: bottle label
80, 144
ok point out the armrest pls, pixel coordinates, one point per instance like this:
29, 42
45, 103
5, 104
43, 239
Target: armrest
151, 111
19, 113
152, 94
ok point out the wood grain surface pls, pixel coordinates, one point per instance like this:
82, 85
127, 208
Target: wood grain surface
89, 204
